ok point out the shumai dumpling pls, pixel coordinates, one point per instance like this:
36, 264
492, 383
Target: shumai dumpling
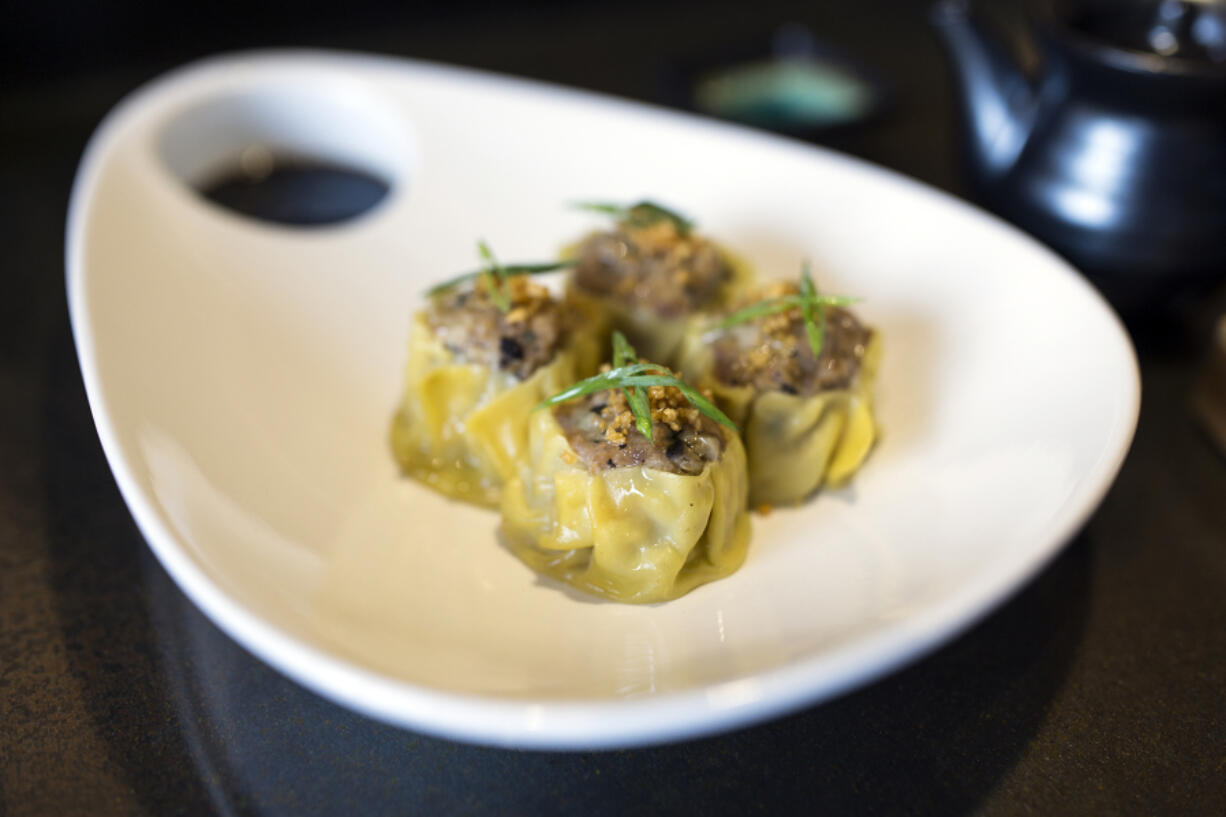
475, 372
603, 508
649, 275
806, 421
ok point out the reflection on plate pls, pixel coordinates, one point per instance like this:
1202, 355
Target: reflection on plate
242, 373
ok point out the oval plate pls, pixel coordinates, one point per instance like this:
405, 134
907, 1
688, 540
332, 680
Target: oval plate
242, 376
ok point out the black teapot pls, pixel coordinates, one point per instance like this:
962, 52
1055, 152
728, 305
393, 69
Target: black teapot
1113, 151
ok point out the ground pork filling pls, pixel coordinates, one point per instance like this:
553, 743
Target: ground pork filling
602, 434
475, 330
653, 267
773, 353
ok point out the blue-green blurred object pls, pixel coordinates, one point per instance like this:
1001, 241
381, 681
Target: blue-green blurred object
784, 80
789, 93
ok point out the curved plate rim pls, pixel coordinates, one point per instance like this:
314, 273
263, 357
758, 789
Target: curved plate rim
547, 723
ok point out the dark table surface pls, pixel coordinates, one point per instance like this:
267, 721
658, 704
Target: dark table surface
1099, 689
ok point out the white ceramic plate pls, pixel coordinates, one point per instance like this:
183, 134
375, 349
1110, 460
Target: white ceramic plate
242, 376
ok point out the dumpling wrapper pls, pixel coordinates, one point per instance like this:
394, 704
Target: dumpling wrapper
795, 443
632, 534
461, 428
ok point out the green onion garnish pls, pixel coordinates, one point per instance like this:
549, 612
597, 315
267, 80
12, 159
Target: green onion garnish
494, 275
773, 306
640, 404
812, 309
815, 330
508, 271
641, 214
633, 379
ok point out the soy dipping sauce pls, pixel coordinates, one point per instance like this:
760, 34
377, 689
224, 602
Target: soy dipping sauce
294, 191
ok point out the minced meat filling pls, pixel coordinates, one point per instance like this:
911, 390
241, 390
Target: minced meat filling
653, 267
773, 353
601, 431
519, 341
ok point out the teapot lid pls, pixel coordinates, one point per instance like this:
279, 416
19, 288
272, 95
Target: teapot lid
1175, 38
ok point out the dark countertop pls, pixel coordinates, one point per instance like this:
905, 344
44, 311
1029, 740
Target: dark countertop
1099, 689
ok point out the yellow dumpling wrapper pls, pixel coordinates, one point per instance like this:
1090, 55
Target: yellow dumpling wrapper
653, 337
461, 428
630, 534
795, 443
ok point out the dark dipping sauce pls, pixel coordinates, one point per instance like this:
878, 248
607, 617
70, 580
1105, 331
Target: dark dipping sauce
773, 354
653, 268
297, 193
684, 449
519, 341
